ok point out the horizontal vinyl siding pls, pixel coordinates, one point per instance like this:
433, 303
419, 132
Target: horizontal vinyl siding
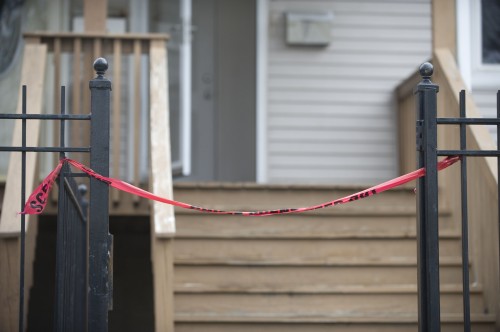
330, 111
486, 101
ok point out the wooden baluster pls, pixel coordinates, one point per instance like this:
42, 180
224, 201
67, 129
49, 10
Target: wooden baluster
56, 103
97, 48
88, 60
76, 91
137, 113
116, 122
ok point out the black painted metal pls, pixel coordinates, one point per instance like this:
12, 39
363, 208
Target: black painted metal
498, 166
23, 217
427, 204
71, 254
464, 206
99, 248
71, 257
45, 116
471, 121
470, 153
428, 233
82, 291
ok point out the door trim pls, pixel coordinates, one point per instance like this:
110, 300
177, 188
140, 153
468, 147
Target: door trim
261, 90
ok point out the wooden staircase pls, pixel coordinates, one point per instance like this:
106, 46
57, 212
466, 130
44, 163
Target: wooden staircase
351, 267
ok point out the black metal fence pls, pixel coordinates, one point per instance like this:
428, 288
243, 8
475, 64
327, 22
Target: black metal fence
427, 205
83, 279
84, 287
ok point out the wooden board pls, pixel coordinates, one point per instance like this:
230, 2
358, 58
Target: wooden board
32, 75
162, 215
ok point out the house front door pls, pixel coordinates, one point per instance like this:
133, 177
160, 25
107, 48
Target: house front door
223, 91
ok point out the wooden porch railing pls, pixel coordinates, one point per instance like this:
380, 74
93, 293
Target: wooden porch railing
81, 50
32, 74
482, 172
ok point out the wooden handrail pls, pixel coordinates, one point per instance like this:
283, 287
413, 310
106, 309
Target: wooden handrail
32, 75
102, 43
160, 182
118, 48
86, 47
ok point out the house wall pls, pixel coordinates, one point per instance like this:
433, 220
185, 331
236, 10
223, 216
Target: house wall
486, 101
330, 111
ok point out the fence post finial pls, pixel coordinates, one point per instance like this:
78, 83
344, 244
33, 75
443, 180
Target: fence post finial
426, 70
100, 66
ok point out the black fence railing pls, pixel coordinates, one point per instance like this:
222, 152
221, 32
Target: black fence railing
427, 201
83, 284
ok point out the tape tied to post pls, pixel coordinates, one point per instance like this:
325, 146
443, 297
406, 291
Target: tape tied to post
38, 199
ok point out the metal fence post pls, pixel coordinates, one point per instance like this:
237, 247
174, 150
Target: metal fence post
427, 203
99, 248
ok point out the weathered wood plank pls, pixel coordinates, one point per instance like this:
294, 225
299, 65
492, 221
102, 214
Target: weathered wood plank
116, 117
163, 280
162, 216
9, 284
137, 114
161, 174
302, 250
32, 75
95, 13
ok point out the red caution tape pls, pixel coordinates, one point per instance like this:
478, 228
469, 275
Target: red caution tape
38, 199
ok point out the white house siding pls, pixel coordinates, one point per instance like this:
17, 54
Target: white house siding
486, 101
330, 111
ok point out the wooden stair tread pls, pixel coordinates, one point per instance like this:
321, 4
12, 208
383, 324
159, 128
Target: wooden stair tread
336, 261
362, 235
345, 317
319, 289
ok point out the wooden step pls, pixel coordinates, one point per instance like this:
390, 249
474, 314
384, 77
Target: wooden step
303, 251
256, 307
190, 278
313, 288
348, 268
480, 323
247, 196
194, 225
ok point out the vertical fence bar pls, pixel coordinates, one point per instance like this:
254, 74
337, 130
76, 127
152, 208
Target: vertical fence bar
498, 167
62, 224
465, 217
23, 216
427, 204
99, 250
62, 134
61, 245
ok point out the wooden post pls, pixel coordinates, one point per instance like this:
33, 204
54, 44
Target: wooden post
32, 75
95, 13
162, 222
444, 25
99, 238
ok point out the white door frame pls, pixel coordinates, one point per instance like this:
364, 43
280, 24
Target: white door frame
261, 90
469, 47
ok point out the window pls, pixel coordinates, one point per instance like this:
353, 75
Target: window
490, 30
478, 39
